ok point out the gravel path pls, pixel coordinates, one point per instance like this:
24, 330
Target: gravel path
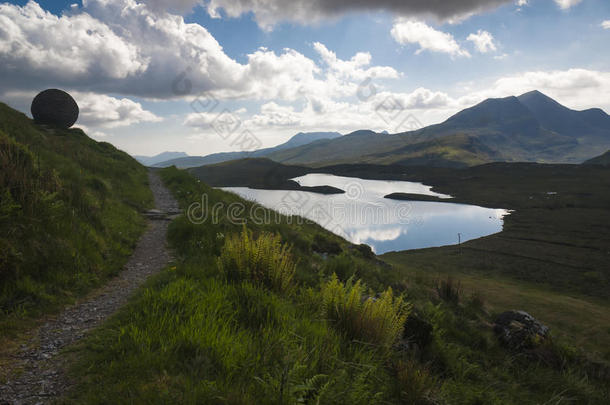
43, 378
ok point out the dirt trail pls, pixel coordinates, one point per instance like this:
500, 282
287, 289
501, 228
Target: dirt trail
43, 378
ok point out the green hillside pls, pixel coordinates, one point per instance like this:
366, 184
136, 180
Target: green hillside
253, 314
68, 215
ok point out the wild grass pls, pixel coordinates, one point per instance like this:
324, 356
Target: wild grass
263, 260
449, 290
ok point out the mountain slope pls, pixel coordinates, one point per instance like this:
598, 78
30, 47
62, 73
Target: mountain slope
531, 127
560, 119
68, 214
302, 138
161, 157
603, 160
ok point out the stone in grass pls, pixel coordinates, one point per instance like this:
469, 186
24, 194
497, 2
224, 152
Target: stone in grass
417, 333
54, 107
519, 330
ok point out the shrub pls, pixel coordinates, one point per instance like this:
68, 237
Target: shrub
378, 321
415, 383
449, 290
264, 260
324, 244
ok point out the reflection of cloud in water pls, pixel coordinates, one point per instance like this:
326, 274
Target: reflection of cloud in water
383, 224
380, 235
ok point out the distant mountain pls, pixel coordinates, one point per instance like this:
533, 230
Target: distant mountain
603, 160
531, 127
302, 138
152, 160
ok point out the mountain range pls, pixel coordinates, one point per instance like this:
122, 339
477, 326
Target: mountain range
302, 138
529, 128
161, 157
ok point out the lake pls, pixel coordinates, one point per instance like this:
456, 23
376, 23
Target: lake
362, 215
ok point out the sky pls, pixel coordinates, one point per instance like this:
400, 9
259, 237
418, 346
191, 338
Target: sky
206, 76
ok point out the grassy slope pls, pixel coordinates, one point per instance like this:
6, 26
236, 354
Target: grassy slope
68, 216
192, 337
603, 159
552, 257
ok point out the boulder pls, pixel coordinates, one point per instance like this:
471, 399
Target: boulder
417, 333
417, 330
54, 107
519, 330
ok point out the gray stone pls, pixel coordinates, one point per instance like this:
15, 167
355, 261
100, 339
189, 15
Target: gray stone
519, 330
54, 107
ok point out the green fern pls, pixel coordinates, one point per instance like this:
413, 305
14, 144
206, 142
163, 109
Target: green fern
377, 321
264, 260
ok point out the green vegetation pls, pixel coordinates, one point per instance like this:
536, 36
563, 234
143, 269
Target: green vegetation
68, 216
194, 335
376, 321
264, 260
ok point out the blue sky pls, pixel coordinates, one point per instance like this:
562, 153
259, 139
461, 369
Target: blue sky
287, 67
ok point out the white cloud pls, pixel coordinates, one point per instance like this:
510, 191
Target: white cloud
353, 69
98, 110
521, 3
115, 46
417, 32
606, 25
483, 41
566, 4
34, 41
122, 47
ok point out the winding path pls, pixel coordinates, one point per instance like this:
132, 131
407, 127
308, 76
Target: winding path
43, 379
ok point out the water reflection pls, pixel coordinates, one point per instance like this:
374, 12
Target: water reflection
362, 215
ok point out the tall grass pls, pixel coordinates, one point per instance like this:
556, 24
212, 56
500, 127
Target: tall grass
263, 260
449, 290
378, 321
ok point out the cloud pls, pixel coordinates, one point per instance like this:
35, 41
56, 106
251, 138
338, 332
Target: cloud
566, 4
114, 46
98, 110
417, 32
521, 3
122, 47
483, 41
34, 41
606, 25
270, 12
172, 6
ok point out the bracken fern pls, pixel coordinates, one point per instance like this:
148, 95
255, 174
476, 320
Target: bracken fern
263, 260
378, 321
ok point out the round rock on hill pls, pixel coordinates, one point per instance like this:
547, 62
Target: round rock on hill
54, 107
